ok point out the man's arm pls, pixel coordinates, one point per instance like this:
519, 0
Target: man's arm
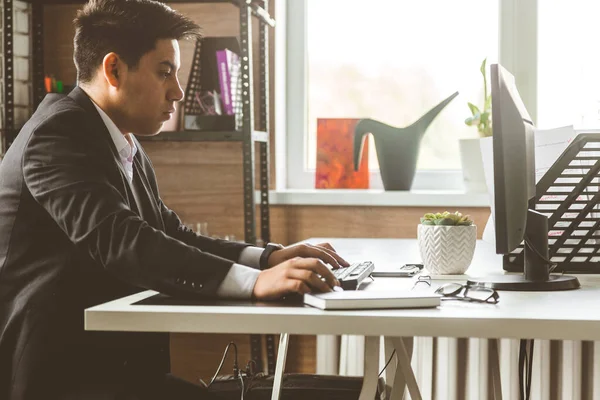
72, 185
223, 248
241, 278
242, 253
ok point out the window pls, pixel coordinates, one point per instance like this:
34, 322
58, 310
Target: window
392, 60
568, 64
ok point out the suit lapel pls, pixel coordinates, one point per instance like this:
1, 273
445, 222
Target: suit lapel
139, 194
144, 195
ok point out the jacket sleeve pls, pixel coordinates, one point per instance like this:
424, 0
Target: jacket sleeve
222, 248
66, 176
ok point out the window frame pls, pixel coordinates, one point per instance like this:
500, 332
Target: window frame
517, 46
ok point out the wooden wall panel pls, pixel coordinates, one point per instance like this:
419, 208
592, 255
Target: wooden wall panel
303, 222
202, 182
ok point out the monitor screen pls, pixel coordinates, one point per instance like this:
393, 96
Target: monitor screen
514, 187
514, 160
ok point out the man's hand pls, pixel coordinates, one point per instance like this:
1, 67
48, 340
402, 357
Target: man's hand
323, 251
298, 275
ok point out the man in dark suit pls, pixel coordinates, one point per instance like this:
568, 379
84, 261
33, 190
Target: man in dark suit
82, 222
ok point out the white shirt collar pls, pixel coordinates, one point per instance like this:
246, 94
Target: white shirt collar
118, 138
126, 148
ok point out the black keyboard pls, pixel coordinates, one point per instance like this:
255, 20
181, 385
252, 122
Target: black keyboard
352, 276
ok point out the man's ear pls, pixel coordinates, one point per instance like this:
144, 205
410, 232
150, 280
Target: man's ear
111, 68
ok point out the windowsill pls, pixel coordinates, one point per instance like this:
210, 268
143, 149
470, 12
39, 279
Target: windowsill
374, 198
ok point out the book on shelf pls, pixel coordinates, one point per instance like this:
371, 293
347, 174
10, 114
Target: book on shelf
204, 107
228, 67
371, 299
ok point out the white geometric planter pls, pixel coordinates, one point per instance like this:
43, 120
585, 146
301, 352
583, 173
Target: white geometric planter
446, 250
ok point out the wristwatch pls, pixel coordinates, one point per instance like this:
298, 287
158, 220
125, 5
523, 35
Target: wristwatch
264, 257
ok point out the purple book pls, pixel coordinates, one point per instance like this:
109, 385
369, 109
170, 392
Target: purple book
223, 67
235, 81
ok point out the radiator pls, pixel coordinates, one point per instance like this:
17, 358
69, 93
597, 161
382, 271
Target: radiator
457, 369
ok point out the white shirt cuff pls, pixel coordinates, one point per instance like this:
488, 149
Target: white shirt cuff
239, 282
250, 256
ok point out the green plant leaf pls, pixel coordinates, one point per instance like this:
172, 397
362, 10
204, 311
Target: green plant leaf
488, 103
474, 109
471, 121
485, 87
446, 219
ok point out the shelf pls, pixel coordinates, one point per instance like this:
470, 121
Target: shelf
203, 136
50, 2
257, 11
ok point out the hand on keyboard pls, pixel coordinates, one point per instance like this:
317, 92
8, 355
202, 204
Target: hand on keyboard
322, 251
298, 269
298, 275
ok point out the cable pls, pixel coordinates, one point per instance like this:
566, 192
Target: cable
249, 370
530, 368
235, 366
525, 368
243, 389
521, 369
551, 264
387, 363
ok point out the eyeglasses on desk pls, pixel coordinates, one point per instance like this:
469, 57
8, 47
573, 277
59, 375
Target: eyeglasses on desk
457, 291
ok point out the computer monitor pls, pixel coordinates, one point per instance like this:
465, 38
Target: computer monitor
514, 188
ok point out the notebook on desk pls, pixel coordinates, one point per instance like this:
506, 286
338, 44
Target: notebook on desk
371, 299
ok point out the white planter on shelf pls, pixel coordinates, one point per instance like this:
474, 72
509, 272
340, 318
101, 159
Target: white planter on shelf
446, 250
472, 165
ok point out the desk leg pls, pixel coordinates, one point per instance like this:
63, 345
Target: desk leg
369, 386
279, 367
405, 375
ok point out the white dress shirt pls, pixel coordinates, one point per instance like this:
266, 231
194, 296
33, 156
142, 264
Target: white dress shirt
241, 278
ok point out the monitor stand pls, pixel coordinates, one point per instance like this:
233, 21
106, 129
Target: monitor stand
536, 276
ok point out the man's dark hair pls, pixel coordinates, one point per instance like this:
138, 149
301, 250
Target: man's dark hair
129, 28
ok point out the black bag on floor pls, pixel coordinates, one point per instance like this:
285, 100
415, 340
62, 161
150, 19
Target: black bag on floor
295, 387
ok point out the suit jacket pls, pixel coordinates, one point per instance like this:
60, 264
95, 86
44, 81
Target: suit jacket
75, 233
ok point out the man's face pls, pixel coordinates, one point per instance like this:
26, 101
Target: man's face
147, 94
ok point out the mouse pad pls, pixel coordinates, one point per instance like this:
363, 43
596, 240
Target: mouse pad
165, 300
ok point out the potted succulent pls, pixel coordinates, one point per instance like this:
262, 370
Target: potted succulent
446, 242
470, 150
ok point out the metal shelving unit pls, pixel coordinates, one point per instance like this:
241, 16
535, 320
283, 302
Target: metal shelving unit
204, 136
247, 135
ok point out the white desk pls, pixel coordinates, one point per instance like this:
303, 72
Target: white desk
568, 315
